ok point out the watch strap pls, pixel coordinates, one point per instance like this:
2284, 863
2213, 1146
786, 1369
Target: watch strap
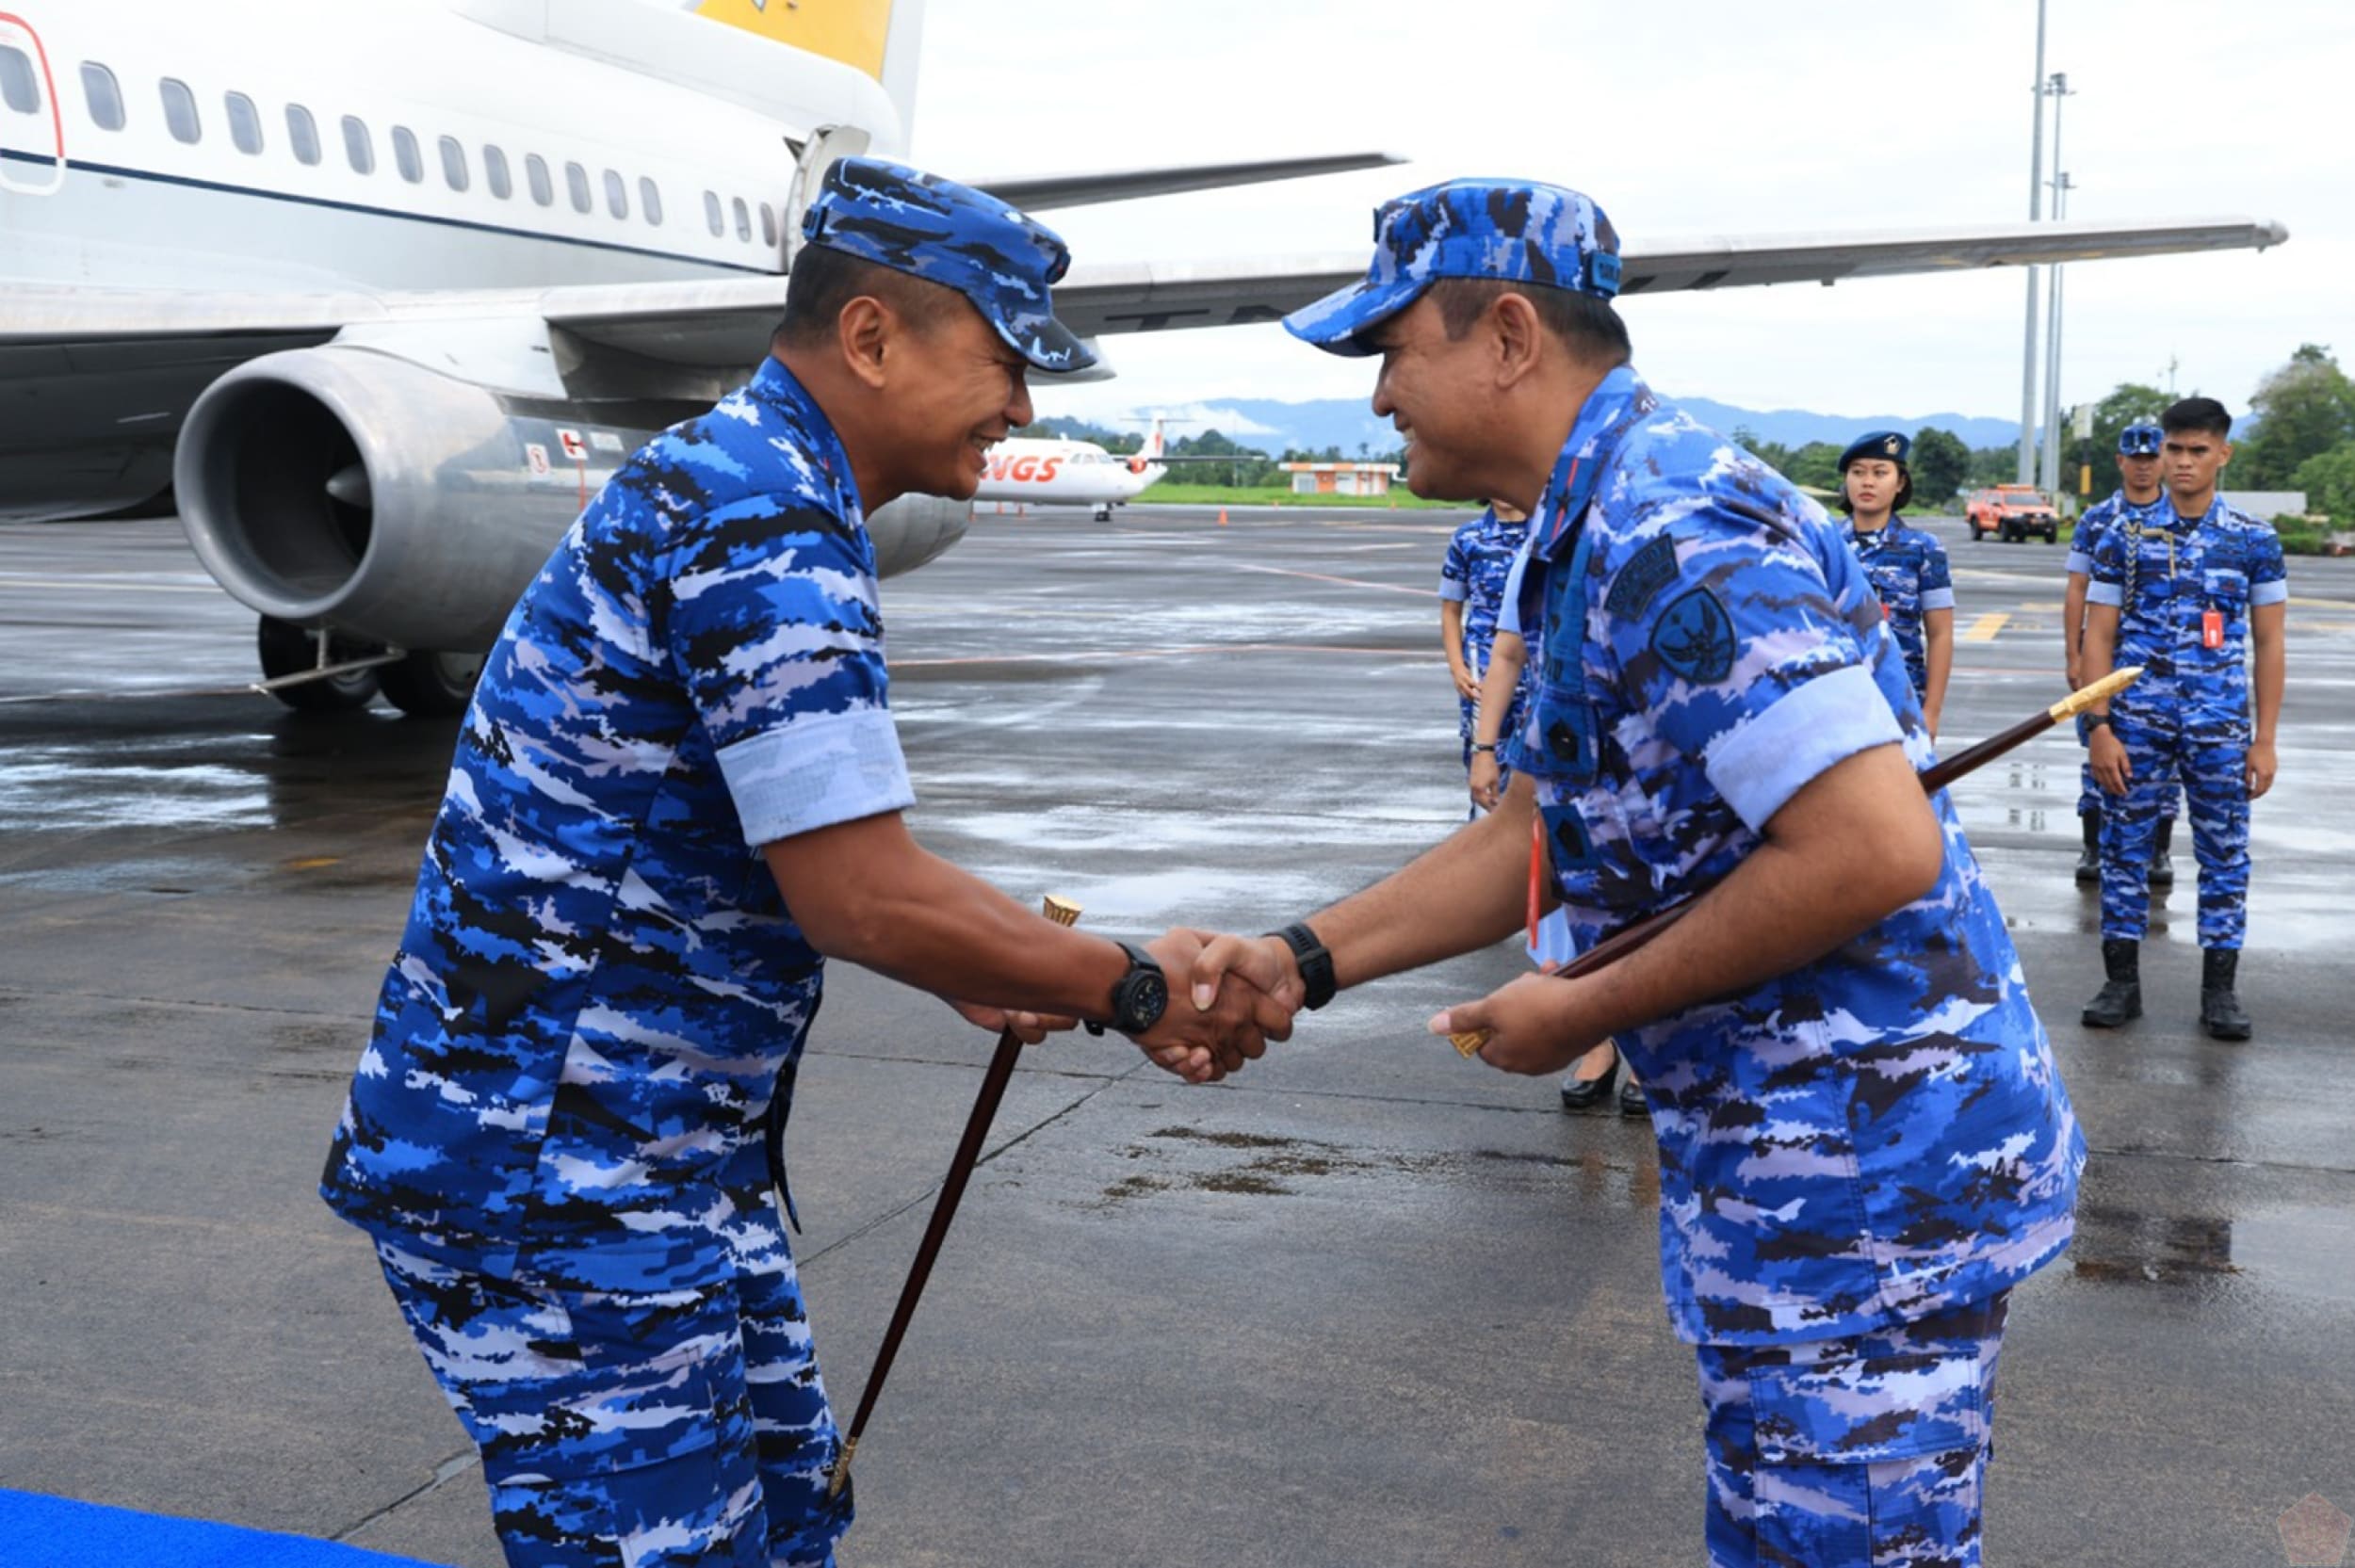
1316, 964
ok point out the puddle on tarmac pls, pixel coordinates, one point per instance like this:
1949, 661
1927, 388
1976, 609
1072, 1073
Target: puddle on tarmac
2302, 1248
1280, 1166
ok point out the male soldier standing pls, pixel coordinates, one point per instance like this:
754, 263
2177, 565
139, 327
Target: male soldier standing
677, 786
1908, 565
1471, 592
1863, 1142
2138, 467
2184, 594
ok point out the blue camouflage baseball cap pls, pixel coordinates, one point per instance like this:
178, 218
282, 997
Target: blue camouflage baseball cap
1511, 231
2140, 438
959, 237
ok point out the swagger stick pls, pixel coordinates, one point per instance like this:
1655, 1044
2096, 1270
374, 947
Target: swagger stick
1062, 912
1625, 940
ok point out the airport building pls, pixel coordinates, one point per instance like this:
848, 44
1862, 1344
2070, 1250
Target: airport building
1342, 478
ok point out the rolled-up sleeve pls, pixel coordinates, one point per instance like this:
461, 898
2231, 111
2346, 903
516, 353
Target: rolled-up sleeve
2268, 574
2108, 585
1937, 580
1742, 658
777, 636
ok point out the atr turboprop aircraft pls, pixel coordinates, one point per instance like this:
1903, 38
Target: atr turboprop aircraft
1046, 471
380, 293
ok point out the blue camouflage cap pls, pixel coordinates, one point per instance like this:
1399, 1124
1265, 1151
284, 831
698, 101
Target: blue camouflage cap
1892, 445
1511, 230
2141, 438
959, 237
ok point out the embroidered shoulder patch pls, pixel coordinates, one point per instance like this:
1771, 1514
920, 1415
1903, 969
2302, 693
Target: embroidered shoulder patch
1639, 582
1694, 638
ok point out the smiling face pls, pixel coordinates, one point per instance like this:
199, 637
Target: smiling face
1437, 392
956, 390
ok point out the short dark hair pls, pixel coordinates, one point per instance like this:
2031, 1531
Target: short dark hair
824, 280
2196, 414
1586, 324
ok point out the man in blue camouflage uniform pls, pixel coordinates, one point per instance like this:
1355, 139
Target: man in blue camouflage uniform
2134, 501
1865, 1143
677, 786
1907, 566
2188, 593
1472, 591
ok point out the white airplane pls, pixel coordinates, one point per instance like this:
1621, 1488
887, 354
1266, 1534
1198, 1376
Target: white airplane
1052, 471
380, 293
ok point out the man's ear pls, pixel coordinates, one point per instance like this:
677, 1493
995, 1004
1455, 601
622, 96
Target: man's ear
1516, 337
863, 332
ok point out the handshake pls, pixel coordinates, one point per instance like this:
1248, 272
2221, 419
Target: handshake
1228, 996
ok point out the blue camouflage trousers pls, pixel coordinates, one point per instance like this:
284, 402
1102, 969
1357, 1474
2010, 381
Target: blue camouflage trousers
635, 1431
2216, 787
1862, 1452
2092, 798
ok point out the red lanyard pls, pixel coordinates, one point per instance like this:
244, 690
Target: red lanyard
1536, 869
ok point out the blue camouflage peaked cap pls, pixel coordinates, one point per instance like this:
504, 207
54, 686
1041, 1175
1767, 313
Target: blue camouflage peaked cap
1892, 445
1511, 231
959, 237
2140, 438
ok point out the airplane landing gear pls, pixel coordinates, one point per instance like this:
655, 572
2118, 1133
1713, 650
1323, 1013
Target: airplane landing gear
288, 649
430, 684
1103, 514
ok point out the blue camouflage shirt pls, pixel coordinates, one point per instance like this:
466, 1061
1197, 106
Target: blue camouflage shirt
1907, 567
1479, 561
1875, 1137
2087, 538
2165, 573
599, 983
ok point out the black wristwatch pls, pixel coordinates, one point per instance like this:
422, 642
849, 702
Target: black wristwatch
1487, 746
1139, 997
1316, 964
2096, 722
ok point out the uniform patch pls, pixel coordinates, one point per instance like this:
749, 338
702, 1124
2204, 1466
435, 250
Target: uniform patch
1694, 638
1639, 582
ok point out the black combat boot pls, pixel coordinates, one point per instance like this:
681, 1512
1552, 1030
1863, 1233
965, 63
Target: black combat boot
2089, 863
2219, 1009
2120, 1000
2163, 863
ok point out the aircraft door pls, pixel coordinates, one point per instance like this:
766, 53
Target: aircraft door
32, 127
826, 145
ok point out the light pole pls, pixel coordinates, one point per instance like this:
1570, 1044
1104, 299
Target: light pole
2056, 89
2035, 210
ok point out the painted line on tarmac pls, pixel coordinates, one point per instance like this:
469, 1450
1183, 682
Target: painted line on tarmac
11, 579
1345, 582
1985, 626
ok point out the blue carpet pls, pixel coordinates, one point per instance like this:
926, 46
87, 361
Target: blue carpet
58, 1532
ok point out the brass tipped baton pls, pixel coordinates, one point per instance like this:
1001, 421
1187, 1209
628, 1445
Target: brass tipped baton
1062, 912
1625, 940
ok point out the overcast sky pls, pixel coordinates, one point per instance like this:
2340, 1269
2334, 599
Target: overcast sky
1701, 118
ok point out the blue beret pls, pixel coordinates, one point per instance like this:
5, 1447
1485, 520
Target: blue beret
1511, 230
959, 237
1893, 445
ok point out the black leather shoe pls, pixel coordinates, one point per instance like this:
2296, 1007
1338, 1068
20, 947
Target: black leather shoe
2163, 863
1584, 1095
1631, 1101
2089, 858
2119, 1001
2219, 1004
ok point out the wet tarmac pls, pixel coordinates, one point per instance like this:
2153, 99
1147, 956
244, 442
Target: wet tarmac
1366, 1304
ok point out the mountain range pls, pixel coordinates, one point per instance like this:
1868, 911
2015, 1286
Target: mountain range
1348, 424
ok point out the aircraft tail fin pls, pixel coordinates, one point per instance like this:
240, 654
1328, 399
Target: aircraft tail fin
1155, 445
876, 37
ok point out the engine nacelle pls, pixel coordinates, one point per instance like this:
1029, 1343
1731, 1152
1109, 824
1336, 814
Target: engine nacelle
342, 487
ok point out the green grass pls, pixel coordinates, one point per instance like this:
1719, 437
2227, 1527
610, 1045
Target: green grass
1238, 495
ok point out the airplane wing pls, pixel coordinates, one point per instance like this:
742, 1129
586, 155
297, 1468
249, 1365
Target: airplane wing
1040, 192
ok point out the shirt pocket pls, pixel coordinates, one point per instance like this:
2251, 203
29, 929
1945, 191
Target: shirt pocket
2225, 590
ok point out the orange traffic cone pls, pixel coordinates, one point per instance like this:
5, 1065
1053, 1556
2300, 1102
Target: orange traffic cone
1222, 517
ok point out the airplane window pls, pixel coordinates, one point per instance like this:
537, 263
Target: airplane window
616, 195
245, 122
302, 133
536, 171
453, 164
713, 214
650, 200
494, 172
743, 221
105, 95
767, 225
577, 186
405, 156
18, 87
180, 110
358, 146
